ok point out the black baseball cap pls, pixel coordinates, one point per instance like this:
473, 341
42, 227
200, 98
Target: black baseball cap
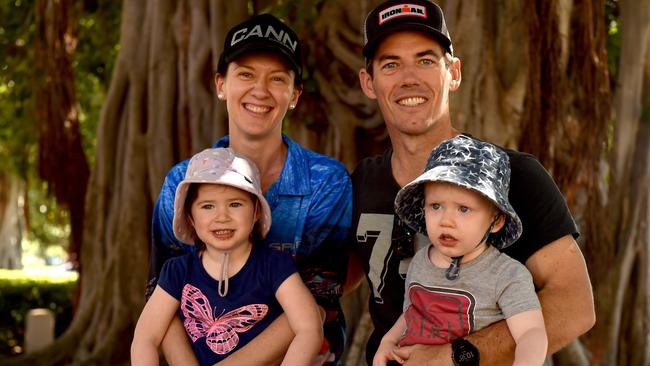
262, 33
400, 15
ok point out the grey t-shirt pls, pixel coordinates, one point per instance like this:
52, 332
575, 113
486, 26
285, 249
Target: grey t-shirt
491, 287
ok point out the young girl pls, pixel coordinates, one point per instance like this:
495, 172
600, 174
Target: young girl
459, 284
229, 290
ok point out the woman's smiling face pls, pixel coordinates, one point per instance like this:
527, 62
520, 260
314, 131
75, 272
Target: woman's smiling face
258, 89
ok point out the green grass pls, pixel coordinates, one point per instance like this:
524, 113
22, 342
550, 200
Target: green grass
22, 290
37, 275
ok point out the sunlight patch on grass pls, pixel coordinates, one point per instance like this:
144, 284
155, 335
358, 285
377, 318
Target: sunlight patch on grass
56, 275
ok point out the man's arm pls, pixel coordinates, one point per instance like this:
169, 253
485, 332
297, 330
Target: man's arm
564, 290
560, 275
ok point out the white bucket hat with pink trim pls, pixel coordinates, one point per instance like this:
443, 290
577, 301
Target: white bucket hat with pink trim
218, 166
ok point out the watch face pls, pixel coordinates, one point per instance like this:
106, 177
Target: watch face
465, 356
465, 353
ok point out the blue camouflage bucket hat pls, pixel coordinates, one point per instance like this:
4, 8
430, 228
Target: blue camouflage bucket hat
469, 163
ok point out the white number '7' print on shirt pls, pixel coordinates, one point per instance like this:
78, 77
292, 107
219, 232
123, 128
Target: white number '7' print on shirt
375, 230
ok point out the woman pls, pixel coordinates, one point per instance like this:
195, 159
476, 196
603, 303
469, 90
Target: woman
310, 195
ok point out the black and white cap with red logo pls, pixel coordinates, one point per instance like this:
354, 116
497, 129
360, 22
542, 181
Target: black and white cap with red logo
394, 16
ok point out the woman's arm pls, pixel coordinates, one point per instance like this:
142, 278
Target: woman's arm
152, 326
389, 342
176, 345
304, 318
529, 333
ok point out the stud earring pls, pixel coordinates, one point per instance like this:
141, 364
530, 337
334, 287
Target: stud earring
292, 106
220, 96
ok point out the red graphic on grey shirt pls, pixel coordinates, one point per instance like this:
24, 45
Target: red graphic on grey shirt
437, 315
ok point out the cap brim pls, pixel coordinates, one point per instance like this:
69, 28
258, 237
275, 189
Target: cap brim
370, 48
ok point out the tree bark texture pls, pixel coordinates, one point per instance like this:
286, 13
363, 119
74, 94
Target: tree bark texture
622, 291
62, 161
535, 78
11, 221
337, 118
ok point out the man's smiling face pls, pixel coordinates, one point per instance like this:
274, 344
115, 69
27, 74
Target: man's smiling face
411, 81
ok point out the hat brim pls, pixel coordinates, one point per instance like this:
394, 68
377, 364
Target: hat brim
409, 203
370, 48
263, 46
183, 229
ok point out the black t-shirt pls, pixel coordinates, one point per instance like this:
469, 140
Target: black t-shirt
533, 194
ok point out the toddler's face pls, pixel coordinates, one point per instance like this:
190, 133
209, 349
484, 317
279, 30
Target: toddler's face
223, 216
457, 219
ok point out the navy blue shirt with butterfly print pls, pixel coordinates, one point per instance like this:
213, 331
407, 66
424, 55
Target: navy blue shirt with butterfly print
218, 326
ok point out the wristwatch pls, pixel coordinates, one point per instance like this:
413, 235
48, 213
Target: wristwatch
464, 353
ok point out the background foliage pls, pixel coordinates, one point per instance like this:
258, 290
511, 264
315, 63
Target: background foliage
97, 46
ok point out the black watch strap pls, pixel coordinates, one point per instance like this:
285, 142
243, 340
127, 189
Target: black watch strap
464, 353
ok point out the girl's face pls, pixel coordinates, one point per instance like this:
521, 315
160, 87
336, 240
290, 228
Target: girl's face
457, 219
223, 217
258, 89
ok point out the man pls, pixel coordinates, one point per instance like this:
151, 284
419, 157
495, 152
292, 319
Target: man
410, 71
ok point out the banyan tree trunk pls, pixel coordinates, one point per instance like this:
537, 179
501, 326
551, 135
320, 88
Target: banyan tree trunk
160, 108
11, 221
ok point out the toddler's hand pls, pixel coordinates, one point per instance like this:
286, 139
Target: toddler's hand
385, 353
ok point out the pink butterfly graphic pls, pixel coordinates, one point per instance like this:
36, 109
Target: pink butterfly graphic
221, 333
